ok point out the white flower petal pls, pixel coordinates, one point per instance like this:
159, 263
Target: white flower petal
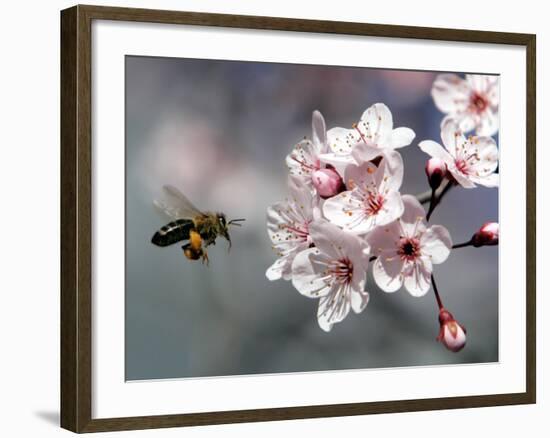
333, 308
302, 198
344, 209
378, 122
487, 151
460, 178
393, 169
392, 209
287, 221
332, 241
466, 121
341, 140
451, 135
339, 161
481, 83
418, 281
435, 150
450, 93
387, 273
361, 175
322, 320
275, 223
359, 254
400, 137
436, 243
307, 269
493, 92
359, 300
489, 123
335, 243
319, 130
363, 152
384, 240
413, 211
490, 181
303, 159
282, 268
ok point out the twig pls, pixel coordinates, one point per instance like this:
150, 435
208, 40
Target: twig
425, 197
436, 293
463, 245
433, 203
435, 200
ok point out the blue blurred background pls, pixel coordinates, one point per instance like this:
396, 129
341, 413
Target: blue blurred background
220, 131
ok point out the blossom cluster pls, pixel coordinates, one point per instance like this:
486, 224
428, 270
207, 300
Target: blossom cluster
347, 207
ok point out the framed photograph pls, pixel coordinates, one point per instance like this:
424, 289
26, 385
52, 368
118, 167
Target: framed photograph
269, 219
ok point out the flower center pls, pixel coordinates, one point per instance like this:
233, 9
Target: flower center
306, 167
374, 203
409, 248
464, 164
478, 102
341, 270
461, 166
369, 139
300, 230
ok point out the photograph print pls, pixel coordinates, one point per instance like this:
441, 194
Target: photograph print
288, 218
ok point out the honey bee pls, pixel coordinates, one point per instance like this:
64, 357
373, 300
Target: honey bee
189, 223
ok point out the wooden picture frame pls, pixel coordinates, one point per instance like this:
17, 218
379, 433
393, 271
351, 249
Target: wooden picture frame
76, 218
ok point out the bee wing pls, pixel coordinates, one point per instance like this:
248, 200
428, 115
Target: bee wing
176, 205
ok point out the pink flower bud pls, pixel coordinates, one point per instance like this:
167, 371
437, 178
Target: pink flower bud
451, 333
327, 182
486, 235
436, 170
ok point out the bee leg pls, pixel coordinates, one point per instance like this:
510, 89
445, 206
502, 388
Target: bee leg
191, 253
205, 257
195, 242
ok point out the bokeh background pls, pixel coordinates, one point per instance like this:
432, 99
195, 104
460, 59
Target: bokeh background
219, 131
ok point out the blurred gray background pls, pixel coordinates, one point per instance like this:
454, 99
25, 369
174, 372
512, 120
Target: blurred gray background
220, 131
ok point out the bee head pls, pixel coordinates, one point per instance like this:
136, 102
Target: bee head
224, 226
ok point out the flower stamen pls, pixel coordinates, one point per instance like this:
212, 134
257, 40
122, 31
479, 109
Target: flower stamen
478, 103
373, 203
305, 166
341, 270
409, 249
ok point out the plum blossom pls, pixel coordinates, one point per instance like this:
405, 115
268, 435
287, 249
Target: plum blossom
407, 249
346, 208
304, 159
373, 136
451, 333
469, 161
327, 182
436, 170
335, 271
472, 101
487, 235
372, 198
288, 227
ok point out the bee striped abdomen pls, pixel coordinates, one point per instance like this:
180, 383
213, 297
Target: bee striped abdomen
173, 232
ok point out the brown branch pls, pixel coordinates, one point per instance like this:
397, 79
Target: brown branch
425, 197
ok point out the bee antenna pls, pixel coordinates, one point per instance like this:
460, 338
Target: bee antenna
235, 222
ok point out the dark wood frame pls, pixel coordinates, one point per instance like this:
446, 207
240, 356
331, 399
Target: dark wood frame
76, 238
